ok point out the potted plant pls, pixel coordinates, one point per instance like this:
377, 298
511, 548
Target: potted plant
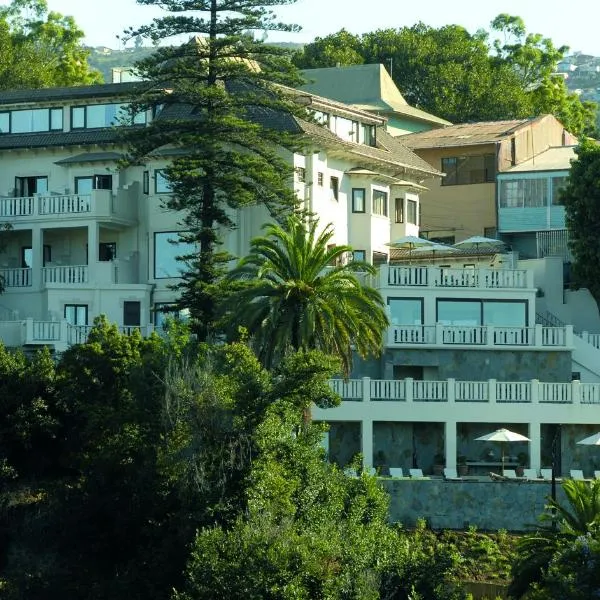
522, 460
462, 466
438, 464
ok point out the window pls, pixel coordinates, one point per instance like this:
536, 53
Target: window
490, 232
482, 312
399, 210
132, 313
523, 193
461, 170
85, 185
31, 120
444, 239
301, 174
94, 116
359, 255
463, 312
320, 178
367, 133
27, 186
379, 258
380, 203
505, 314
558, 184
406, 311
334, 186
76, 314
411, 212
27, 256
358, 200
161, 183
167, 248
107, 251
166, 310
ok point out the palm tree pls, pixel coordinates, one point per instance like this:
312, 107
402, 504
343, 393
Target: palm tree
300, 295
535, 551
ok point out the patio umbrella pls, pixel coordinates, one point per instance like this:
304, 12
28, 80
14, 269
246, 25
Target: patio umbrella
593, 440
410, 242
435, 248
504, 436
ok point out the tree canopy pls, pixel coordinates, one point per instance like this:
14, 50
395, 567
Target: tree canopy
581, 198
461, 76
40, 49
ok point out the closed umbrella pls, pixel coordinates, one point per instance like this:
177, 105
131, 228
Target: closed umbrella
504, 436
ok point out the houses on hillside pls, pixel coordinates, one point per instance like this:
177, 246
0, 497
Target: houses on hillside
467, 350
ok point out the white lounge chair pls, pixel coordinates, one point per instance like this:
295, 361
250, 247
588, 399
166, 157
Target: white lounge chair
530, 473
510, 474
546, 474
451, 474
577, 474
416, 473
396, 472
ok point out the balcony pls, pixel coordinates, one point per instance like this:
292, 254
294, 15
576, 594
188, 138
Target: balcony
66, 274
16, 278
101, 204
444, 336
441, 277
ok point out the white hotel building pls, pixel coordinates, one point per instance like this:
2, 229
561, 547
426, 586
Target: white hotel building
463, 353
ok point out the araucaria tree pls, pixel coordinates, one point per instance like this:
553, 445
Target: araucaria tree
301, 296
581, 198
219, 110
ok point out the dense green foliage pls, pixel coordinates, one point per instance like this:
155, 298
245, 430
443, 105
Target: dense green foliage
218, 105
581, 197
464, 77
563, 556
40, 49
301, 293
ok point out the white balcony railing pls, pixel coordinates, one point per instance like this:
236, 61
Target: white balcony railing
431, 276
67, 204
488, 335
67, 274
490, 391
17, 207
16, 277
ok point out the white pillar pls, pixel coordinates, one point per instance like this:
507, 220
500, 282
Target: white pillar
37, 256
93, 240
367, 443
450, 442
535, 446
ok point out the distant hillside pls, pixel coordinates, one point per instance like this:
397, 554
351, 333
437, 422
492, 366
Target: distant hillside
104, 59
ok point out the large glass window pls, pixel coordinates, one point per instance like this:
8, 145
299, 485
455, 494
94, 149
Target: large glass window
380, 204
463, 312
85, 185
523, 193
103, 115
27, 186
505, 314
462, 170
482, 312
5, 122
167, 248
31, 120
406, 311
358, 200
161, 183
558, 183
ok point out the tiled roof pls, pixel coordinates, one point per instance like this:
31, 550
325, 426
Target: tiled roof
58, 138
465, 134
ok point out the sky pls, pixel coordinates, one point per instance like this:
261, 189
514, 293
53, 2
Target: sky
573, 23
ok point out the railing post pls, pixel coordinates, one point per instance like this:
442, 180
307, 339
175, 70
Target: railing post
492, 391
408, 389
451, 390
538, 340
576, 391
535, 391
489, 332
366, 383
439, 334
569, 336
28, 330
64, 333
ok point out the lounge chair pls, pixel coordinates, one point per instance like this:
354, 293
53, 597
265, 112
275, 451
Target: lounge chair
546, 474
451, 474
510, 474
396, 472
596, 474
577, 474
530, 473
416, 473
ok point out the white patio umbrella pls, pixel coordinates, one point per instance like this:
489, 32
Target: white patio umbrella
435, 249
593, 440
503, 436
480, 243
410, 242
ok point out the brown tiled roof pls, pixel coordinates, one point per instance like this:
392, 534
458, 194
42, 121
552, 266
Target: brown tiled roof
465, 134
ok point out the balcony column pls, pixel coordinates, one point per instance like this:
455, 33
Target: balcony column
367, 442
535, 446
37, 256
450, 443
93, 240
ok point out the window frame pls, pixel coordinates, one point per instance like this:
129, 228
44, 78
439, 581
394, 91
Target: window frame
354, 200
410, 205
159, 173
138, 313
76, 307
176, 235
376, 197
460, 167
419, 300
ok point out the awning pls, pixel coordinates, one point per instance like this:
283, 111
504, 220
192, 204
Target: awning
90, 157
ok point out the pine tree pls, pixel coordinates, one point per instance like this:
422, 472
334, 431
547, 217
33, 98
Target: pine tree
219, 107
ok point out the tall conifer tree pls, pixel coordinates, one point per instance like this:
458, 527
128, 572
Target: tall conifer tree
221, 113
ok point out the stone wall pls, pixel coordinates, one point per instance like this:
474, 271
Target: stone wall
489, 505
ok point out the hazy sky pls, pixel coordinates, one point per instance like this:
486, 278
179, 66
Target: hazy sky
574, 22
